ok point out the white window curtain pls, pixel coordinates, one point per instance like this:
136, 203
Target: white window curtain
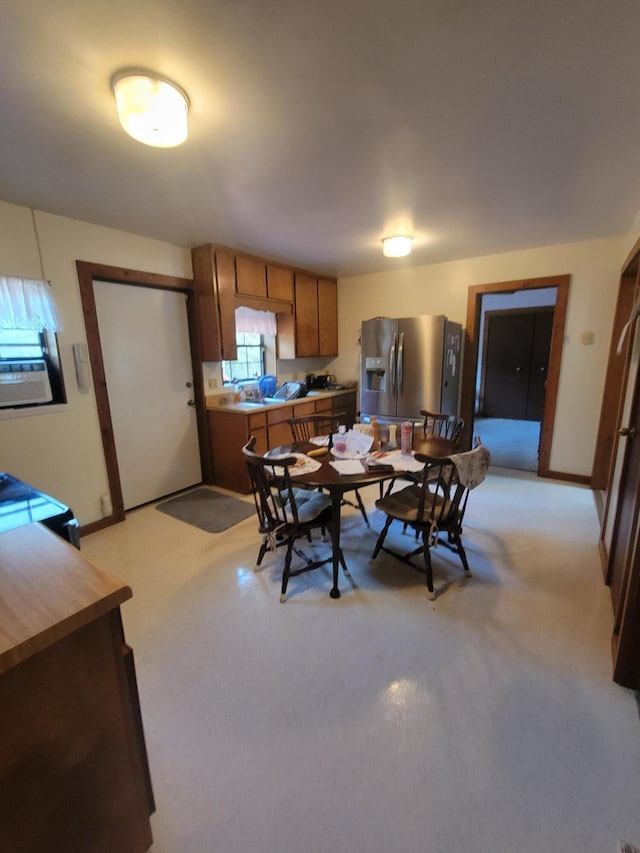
27, 304
250, 320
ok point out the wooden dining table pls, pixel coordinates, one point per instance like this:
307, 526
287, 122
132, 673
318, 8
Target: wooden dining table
337, 485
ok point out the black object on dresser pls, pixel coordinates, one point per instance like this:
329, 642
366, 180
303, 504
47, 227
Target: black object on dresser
22, 504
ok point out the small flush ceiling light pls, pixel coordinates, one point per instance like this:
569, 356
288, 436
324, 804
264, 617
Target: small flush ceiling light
396, 247
151, 109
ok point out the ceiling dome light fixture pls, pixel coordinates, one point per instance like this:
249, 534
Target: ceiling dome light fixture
396, 247
151, 109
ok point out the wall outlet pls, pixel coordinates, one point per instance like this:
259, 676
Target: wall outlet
213, 384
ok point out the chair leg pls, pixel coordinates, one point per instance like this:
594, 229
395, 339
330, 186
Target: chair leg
343, 563
362, 509
428, 569
455, 536
287, 570
381, 538
264, 547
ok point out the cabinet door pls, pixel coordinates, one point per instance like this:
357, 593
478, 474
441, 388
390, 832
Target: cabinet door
226, 279
327, 317
279, 283
279, 434
279, 429
306, 320
228, 432
324, 405
262, 445
208, 317
304, 409
251, 277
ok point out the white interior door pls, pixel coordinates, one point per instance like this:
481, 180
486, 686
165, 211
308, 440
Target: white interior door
144, 336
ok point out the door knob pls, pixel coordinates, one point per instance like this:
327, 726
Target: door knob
627, 432
191, 403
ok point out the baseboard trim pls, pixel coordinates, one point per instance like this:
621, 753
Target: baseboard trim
583, 479
94, 526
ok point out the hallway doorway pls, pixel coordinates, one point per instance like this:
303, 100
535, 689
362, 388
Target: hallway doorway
535, 440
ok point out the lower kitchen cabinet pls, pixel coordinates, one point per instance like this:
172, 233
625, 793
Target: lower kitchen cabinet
230, 430
228, 433
73, 766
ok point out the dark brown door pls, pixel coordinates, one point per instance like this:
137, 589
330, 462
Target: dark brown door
539, 366
516, 364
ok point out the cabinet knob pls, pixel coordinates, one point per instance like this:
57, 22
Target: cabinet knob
191, 403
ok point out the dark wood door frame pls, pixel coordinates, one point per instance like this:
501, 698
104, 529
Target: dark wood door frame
87, 273
615, 379
470, 366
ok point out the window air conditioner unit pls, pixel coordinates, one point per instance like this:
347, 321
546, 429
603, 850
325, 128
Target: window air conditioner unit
24, 382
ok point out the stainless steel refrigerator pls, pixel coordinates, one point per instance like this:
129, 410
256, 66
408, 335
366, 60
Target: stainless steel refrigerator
410, 364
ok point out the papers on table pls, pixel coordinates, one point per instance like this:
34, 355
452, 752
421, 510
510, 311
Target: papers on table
320, 440
304, 465
347, 466
357, 445
400, 461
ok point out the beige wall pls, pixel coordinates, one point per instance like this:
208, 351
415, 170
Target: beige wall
61, 452
594, 267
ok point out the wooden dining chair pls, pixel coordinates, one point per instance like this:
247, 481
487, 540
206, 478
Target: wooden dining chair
285, 513
434, 425
307, 427
434, 506
441, 425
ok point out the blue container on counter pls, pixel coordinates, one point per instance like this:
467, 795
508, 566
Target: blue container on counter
267, 385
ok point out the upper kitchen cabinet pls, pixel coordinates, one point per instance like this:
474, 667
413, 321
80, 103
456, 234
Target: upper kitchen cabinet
251, 277
279, 282
225, 280
262, 280
313, 330
214, 277
327, 317
306, 306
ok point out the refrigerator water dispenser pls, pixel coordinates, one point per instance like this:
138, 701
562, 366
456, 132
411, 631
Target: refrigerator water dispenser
375, 374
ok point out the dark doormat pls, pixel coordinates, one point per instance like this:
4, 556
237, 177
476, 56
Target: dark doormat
207, 510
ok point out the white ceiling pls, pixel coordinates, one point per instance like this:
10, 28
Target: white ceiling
318, 127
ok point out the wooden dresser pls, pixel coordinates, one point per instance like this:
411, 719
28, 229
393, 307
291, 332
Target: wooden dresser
73, 765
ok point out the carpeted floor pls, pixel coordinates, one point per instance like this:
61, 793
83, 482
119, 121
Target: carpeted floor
513, 444
208, 510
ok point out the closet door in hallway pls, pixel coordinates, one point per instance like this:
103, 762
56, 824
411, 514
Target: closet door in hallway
516, 362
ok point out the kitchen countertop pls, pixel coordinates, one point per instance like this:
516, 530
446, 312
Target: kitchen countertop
49, 590
216, 402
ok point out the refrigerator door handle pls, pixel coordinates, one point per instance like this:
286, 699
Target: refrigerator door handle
392, 363
400, 362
